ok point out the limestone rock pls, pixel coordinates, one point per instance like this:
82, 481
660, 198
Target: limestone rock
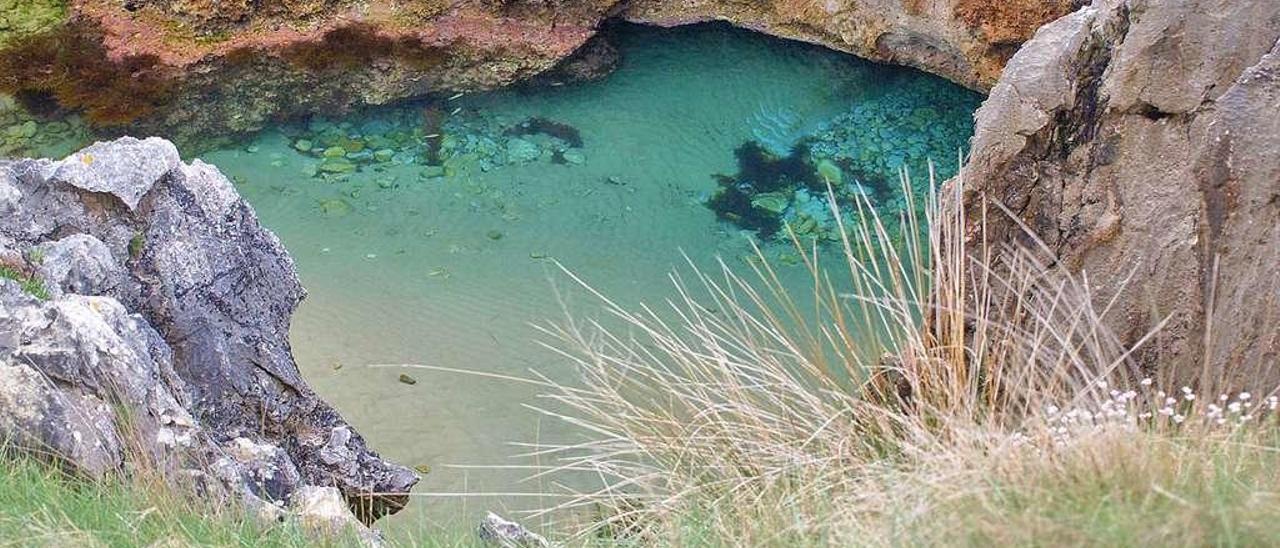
187, 328
79, 264
9, 198
323, 510
1138, 139
126, 168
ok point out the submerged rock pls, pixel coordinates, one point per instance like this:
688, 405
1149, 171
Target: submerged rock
522, 151
169, 314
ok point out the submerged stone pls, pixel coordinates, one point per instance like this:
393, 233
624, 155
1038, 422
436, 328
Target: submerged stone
522, 151
353, 145
573, 157
829, 172
302, 145
384, 155
335, 207
337, 165
773, 202
334, 152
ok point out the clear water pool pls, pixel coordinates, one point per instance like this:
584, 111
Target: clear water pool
450, 264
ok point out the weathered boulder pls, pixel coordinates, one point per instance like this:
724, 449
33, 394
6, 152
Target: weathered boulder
1140, 141
126, 168
171, 304
195, 70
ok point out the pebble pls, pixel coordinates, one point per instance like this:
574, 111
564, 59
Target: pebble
334, 152
302, 145
337, 165
407, 379
493, 235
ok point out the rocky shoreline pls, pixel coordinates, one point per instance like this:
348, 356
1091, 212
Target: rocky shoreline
144, 318
1136, 138
189, 70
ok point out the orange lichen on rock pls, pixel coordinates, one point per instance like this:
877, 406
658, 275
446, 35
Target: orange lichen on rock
1010, 23
122, 63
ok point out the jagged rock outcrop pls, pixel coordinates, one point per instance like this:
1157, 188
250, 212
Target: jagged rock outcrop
1140, 139
153, 324
192, 70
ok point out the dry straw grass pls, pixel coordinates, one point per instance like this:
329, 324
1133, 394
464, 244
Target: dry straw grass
932, 389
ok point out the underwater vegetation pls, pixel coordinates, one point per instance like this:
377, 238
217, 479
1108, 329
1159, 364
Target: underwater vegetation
357, 45
68, 64
782, 177
22, 18
551, 128
769, 191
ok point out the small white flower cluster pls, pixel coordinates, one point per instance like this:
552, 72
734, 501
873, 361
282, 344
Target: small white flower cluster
1132, 410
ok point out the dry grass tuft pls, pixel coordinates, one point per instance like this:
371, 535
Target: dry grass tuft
931, 389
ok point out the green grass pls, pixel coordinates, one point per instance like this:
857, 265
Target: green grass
30, 284
40, 506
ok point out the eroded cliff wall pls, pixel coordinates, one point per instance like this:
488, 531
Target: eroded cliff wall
1140, 140
191, 68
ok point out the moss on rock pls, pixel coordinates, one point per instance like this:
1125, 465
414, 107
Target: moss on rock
22, 18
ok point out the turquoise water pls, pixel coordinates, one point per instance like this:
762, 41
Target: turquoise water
450, 264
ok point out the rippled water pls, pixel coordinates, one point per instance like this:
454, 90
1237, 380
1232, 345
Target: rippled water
449, 266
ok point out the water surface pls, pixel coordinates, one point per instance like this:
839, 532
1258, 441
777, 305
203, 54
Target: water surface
407, 263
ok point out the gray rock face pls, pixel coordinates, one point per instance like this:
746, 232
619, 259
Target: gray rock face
79, 263
170, 298
1139, 139
126, 168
